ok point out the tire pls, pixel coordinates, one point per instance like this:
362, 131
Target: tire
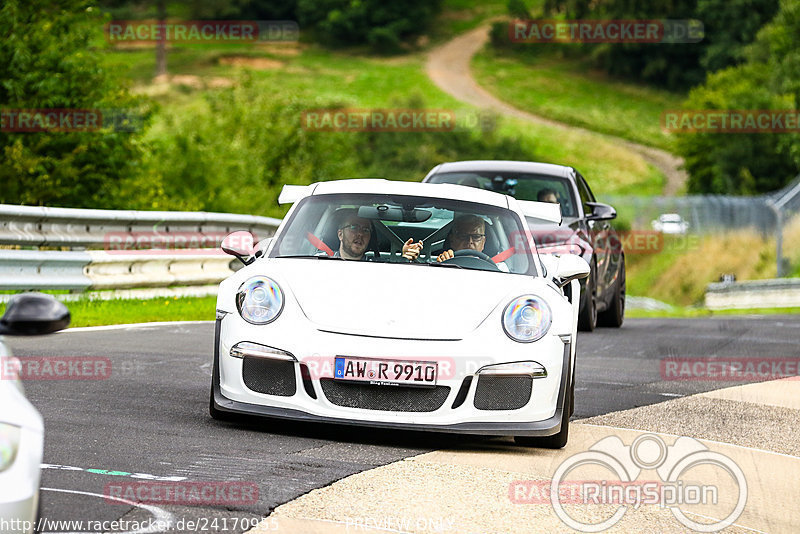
572, 391
556, 441
615, 314
587, 317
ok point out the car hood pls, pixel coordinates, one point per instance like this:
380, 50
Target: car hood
396, 301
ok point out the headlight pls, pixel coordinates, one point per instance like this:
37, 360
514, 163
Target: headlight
526, 319
9, 443
259, 300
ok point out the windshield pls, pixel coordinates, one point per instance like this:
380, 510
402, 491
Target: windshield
374, 228
523, 186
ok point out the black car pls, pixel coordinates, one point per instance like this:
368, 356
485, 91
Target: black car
585, 229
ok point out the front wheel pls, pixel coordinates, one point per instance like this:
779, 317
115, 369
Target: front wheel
615, 314
587, 317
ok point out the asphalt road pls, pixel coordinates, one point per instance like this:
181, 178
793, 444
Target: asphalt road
150, 416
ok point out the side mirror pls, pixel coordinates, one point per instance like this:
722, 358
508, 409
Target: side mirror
239, 244
570, 267
601, 212
33, 314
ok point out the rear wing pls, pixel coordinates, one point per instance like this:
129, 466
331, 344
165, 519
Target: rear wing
547, 211
292, 193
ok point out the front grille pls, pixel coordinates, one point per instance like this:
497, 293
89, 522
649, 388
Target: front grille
271, 377
385, 398
503, 392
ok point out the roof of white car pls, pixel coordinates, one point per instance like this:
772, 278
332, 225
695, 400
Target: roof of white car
449, 191
505, 166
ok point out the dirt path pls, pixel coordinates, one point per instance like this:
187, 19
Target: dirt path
448, 67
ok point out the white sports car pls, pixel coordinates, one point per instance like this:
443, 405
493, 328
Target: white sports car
21, 425
330, 321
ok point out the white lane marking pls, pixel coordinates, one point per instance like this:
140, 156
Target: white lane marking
678, 436
124, 474
672, 394
131, 325
164, 520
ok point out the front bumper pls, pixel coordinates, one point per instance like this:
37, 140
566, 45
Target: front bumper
448, 418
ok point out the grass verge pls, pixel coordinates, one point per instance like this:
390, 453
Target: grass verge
688, 312
569, 91
87, 312
312, 74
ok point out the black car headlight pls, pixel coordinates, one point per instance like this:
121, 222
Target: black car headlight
259, 300
527, 319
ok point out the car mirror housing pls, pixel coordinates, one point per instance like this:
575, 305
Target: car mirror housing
601, 212
570, 267
32, 314
239, 244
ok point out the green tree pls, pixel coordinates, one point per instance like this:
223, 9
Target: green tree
46, 62
750, 163
730, 25
736, 163
381, 25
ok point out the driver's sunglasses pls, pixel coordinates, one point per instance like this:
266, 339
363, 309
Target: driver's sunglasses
358, 229
476, 238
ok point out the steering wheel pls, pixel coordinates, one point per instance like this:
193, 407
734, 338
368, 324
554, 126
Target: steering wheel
474, 253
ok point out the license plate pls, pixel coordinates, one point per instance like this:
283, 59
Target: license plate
386, 372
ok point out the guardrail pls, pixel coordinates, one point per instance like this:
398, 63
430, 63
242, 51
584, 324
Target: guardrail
778, 293
118, 249
70, 227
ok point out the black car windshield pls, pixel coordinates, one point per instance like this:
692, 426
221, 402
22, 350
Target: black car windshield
523, 186
374, 228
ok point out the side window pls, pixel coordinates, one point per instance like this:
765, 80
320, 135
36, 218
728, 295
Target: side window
585, 193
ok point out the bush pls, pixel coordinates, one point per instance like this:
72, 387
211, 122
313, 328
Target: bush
730, 25
381, 25
46, 62
750, 163
236, 150
736, 163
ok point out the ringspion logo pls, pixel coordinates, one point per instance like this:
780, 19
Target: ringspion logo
678, 487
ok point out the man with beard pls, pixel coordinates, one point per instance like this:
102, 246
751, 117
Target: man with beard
468, 233
354, 237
